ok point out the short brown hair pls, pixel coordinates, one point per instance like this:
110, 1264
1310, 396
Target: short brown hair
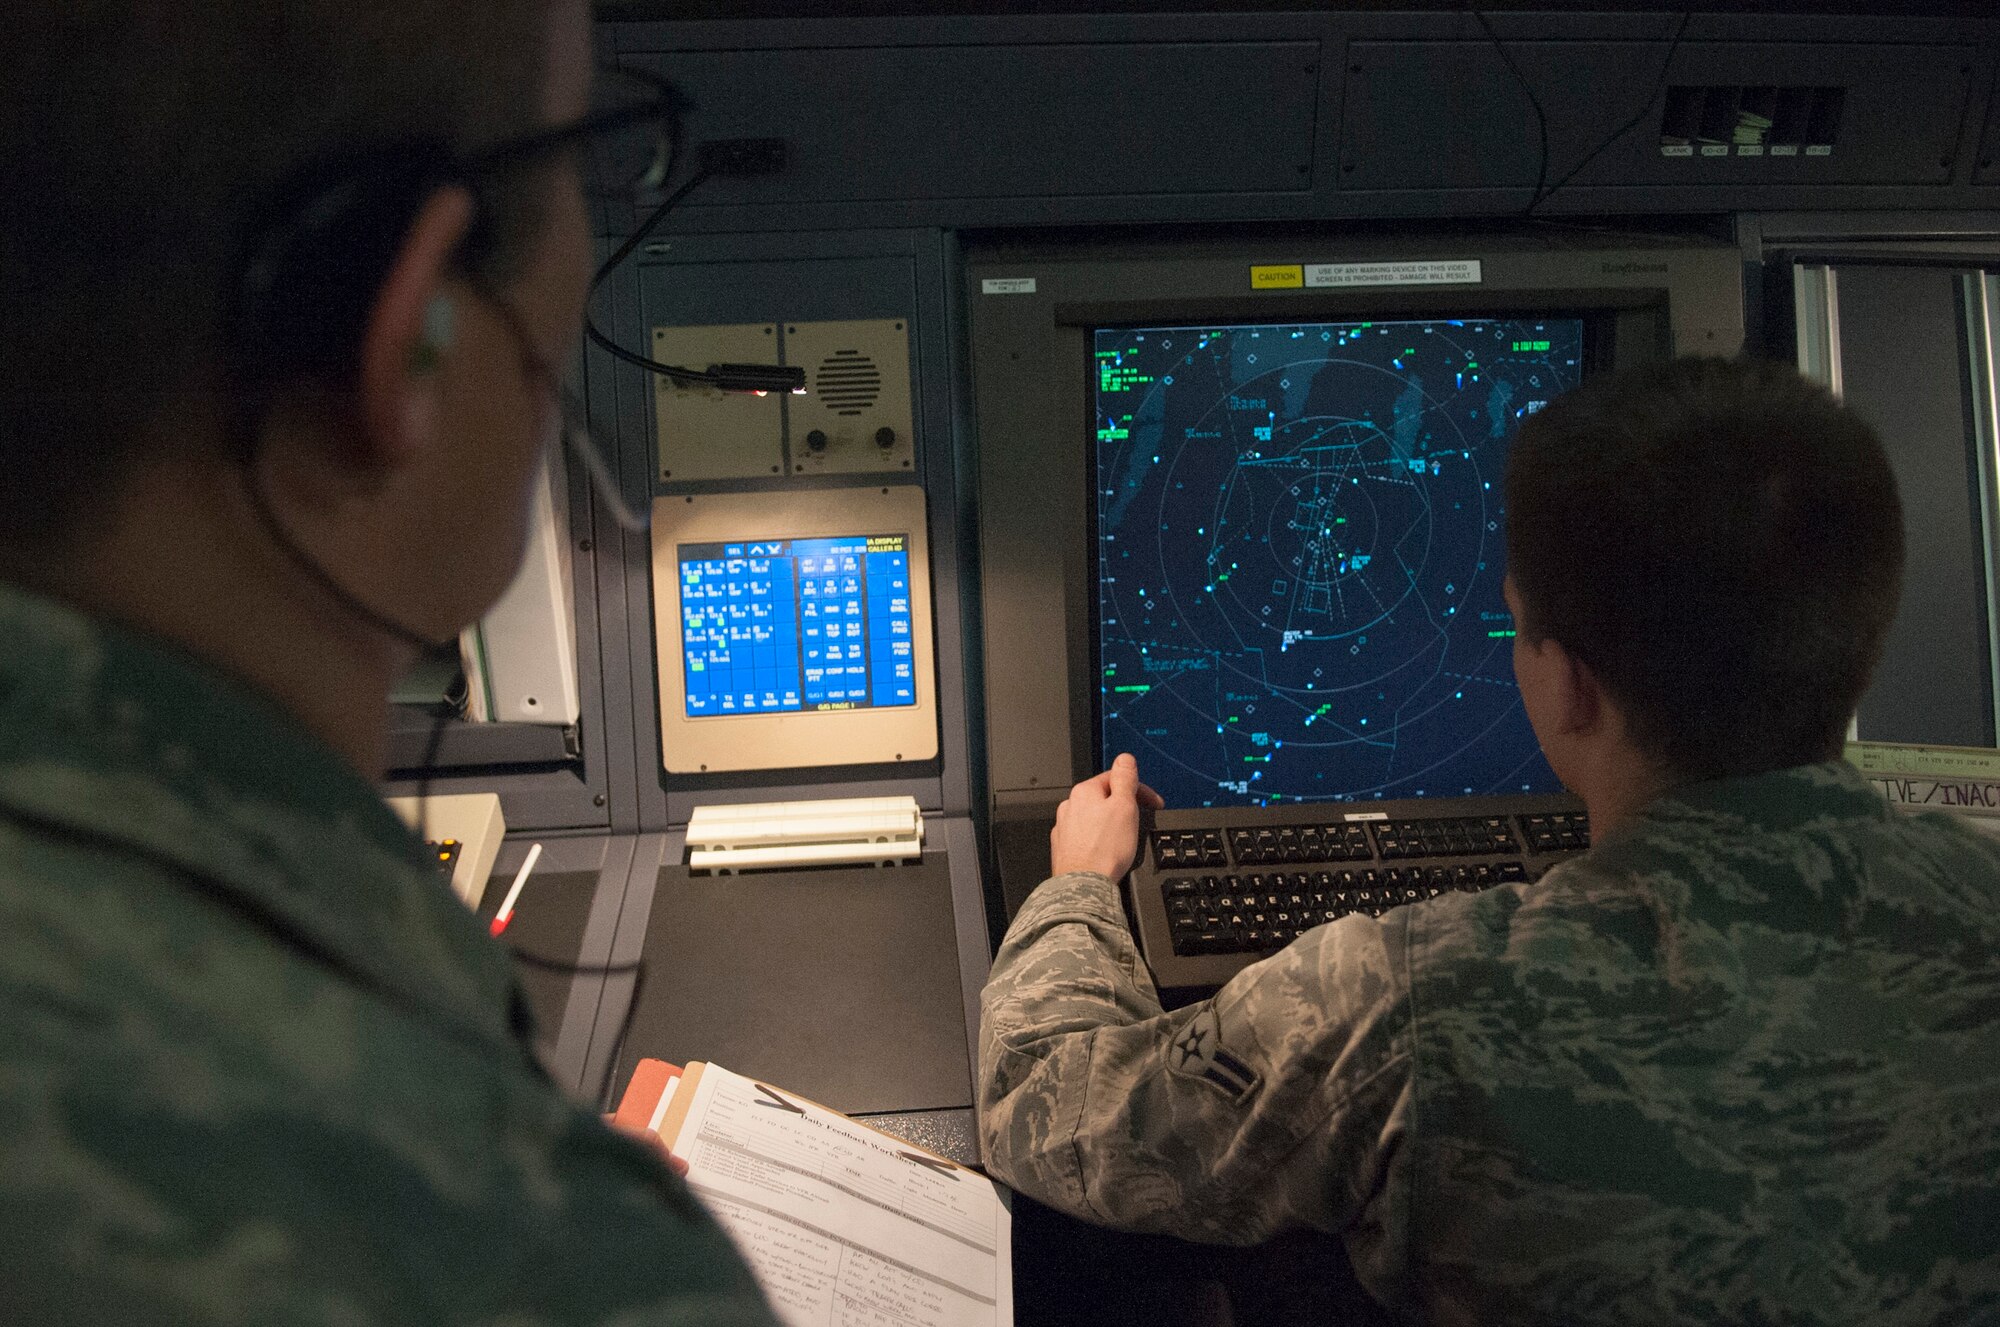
1722, 544
139, 138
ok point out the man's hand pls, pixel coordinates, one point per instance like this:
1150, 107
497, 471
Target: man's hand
1097, 829
652, 1140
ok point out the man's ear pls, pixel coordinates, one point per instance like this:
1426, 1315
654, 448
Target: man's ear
1580, 698
401, 348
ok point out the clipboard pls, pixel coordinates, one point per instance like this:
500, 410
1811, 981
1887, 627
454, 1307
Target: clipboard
639, 1108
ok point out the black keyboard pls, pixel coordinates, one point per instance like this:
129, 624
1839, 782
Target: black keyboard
1215, 890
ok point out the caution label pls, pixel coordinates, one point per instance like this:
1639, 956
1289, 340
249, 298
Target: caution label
1277, 276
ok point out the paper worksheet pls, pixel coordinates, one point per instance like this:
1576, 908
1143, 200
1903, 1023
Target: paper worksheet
844, 1226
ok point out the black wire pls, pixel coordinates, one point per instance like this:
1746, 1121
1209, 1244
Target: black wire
261, 505
605, 343
1541, 118
638, 970
652, 221
624, 251
1645, 109
427, 771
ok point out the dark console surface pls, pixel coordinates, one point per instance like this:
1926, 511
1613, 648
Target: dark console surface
842, 984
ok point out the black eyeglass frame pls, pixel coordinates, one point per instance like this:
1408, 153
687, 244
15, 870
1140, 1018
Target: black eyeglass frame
667, 107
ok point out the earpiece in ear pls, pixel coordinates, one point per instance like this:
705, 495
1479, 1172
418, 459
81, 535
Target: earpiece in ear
440, 325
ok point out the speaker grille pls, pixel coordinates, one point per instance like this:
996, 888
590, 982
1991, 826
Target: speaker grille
848, 382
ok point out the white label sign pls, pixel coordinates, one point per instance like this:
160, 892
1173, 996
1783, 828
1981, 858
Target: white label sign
1008, 285
1446, 272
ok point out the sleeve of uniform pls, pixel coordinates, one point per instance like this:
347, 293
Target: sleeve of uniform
1279, 1102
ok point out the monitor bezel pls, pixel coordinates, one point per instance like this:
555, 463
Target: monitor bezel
794, 739
1027, 302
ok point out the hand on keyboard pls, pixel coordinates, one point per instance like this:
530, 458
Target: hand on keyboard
1097, 829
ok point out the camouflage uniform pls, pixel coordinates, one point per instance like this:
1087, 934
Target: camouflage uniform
257, 1064
1740, 1063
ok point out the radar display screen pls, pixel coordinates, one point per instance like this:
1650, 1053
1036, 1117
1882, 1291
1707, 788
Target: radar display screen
1299, 556
797, 625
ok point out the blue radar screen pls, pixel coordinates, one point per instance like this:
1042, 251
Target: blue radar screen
796, 625
1299, 556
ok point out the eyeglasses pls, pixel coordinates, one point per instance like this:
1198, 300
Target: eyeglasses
299, 307
626, 147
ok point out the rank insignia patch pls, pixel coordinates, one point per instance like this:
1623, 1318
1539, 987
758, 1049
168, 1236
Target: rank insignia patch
1198, 1053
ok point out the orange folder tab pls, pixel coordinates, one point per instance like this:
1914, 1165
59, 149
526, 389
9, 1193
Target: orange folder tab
643, 1093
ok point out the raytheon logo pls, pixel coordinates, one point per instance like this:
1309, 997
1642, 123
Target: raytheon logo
1633, 269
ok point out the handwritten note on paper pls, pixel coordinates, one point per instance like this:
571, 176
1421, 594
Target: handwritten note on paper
845, 1227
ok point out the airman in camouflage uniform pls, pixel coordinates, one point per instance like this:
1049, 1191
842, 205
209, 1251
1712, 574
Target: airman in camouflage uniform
1740, 1062
281, 283
1737, 1064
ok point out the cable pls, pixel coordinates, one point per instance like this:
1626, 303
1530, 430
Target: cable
610, 265
1645, 109
577, 437
1541, 118
638, 970
319, 575
726, 377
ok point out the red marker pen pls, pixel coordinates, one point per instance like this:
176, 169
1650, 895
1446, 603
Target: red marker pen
506, 913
